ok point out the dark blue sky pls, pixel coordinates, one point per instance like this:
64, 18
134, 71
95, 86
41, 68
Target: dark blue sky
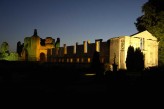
70, 20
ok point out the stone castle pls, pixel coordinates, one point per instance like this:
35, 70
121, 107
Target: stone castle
47, 50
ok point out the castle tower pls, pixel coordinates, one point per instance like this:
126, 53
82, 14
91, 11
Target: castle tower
33, 50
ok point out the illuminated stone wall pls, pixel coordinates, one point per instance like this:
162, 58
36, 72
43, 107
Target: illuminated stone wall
144, 40
34, 51
111, 51
82, 53
149, 46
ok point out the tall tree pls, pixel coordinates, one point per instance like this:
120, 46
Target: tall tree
130, 59
134, 59
153, 21
139, 60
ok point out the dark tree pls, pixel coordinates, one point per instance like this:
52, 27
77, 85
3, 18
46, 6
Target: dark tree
139, 60
153, 21
134, 59
130, 59
96, 65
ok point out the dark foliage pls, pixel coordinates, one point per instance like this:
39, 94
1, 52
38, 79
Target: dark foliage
130, 58
139, 60
135, 59
24, 80
96, 65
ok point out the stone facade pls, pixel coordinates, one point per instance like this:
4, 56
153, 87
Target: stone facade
33, 49
82, 53
115, 49
144, 40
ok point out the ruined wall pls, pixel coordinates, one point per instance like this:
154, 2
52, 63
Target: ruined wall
34, 51
104, 52
114, 53
151, 53
82, 53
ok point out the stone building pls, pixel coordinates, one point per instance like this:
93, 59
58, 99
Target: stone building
110, 51
143, 40
37, 50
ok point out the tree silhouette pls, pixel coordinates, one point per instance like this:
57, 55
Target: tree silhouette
130, 58
96, 65
134, 59
139, 60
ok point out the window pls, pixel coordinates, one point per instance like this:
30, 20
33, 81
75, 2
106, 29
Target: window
122, 44
71, 60
89, 60
67, 60
77, 60
142, 40
82, 60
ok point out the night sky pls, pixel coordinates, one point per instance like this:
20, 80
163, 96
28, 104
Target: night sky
70, 20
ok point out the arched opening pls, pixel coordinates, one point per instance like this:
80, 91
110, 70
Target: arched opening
42, 57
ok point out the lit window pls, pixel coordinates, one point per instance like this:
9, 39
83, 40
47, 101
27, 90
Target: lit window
71, 60
142, 43
78, 60
89, 60
67, 59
